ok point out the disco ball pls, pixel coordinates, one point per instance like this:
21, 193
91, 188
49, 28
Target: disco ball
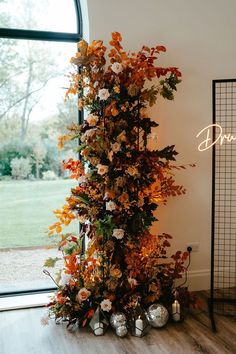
121, 331
118, 319
157, 315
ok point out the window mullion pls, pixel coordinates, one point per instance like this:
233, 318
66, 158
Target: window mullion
39, 35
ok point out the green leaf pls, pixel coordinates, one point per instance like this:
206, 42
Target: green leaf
168, 86
104, 227
81, 147
50, 262
82, 199
168, 153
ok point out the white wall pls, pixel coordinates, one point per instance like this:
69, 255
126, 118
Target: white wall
199, 36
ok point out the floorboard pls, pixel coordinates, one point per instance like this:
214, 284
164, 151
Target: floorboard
21, 332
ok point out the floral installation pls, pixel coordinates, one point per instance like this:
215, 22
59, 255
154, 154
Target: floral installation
121, 182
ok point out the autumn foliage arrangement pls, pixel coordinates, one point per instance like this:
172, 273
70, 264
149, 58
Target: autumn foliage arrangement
121, 182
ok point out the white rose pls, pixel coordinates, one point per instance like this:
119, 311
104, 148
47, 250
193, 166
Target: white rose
116, 67
92, 120
106, 305
103, 94
110, 206
102, 169
82, 179
118, 233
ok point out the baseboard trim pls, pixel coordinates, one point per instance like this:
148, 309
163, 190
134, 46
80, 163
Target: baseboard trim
199, 279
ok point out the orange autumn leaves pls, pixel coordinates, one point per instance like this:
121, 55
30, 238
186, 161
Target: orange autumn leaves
120, 182
136, 69
65, 216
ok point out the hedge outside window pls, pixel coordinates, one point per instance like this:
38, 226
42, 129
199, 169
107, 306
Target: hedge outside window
37, 40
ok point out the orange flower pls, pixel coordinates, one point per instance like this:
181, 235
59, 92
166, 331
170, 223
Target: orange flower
60, 298
71, 264
75, 166
111, 109
116, 36
116, 89
110, 194
124, 197
114, 111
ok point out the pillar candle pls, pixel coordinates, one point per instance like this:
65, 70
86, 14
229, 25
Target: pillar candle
98, 329
138, 327
176, 311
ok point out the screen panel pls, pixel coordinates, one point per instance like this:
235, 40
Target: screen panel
224, 197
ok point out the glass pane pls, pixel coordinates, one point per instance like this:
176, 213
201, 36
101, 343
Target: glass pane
44, 15
32, 182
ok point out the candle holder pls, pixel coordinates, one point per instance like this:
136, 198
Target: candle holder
138, 322
175, 313
99, 322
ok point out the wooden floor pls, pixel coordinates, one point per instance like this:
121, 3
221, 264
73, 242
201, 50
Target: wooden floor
22, 333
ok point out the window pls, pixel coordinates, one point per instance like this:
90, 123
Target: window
46, 15
37, 40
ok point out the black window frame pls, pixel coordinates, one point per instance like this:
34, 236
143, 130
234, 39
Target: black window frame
38, 35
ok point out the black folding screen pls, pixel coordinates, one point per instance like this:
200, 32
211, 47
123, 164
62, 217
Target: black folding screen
223, 258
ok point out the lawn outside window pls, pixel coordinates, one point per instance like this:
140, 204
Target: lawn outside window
35, 57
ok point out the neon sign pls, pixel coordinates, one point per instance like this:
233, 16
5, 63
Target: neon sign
220, 137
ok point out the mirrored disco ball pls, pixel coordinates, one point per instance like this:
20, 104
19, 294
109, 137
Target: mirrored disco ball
118, 319
121, 331
157, 315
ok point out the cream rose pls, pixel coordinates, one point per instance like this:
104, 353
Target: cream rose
103, 94
82, 179
82, 295
118, 233
115, 147
92, 120
88, 134
116, 273
102, 169
106, 305
132, 282
116, 68
110, 206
